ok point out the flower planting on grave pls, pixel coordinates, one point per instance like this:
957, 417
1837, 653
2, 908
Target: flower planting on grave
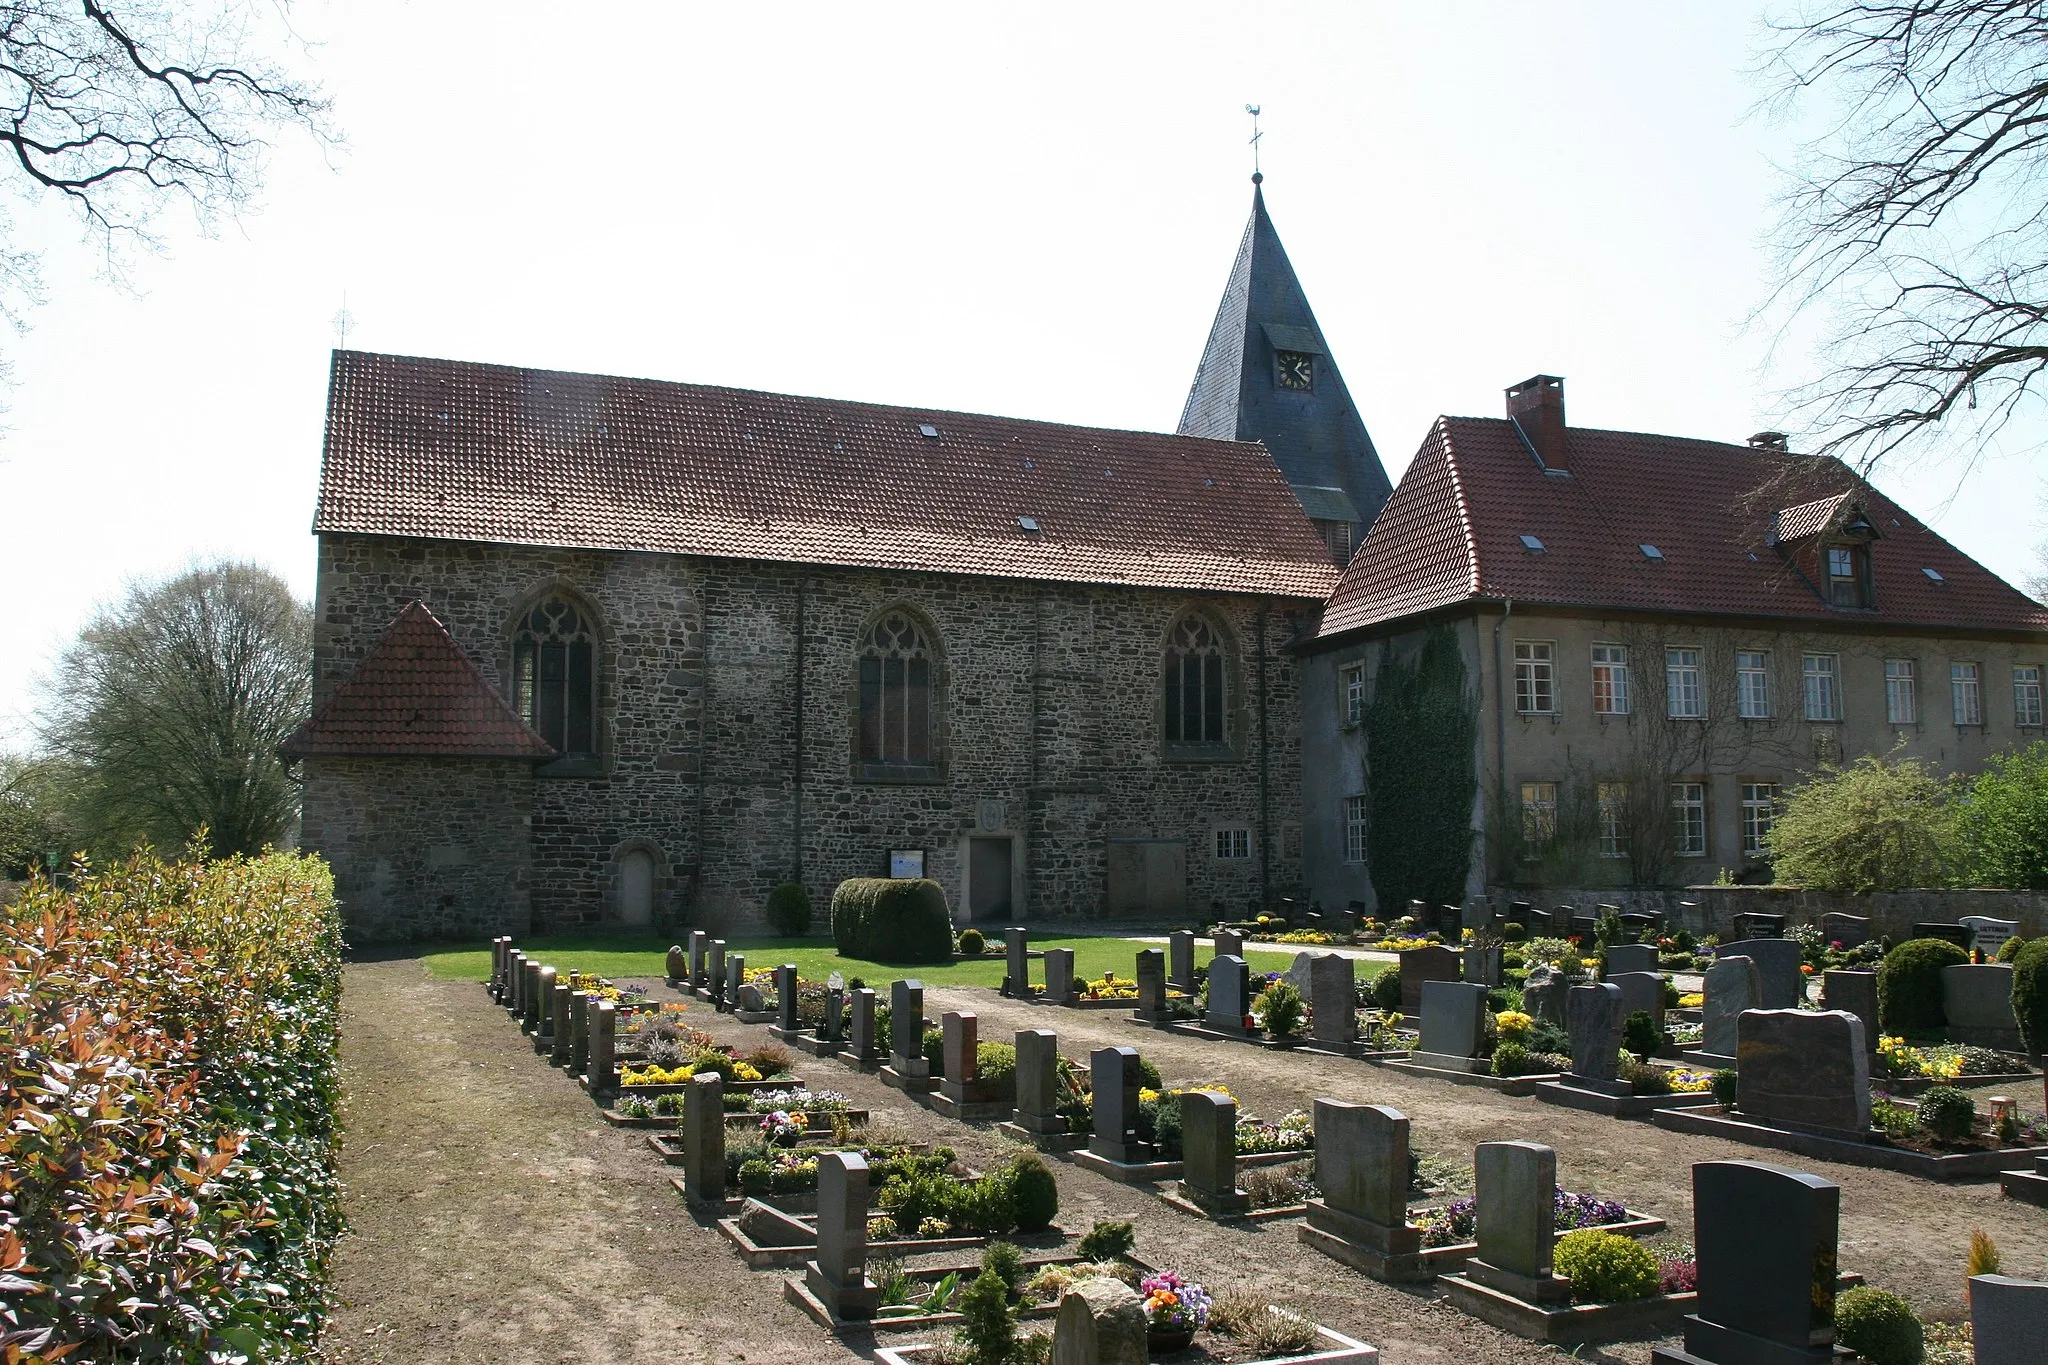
1944, 1061
1279, 1187
1458, 1221
920, 1200
1109, 986
168, 1113
1606, 1267
1946, 1121
1279, 1009
1175, 1309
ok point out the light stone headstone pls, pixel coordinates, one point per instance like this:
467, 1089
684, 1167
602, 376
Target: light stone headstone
1976, 999
1017, 962
1229, 994
1593, 1017
1074, 1340
602, 1068
838, 1278
714, 971
1333, 1000
1152, 983
1297, 973
1988, 935
1733, 986
1543, 994
786, 997
1640, 991
1453, 1018
1852, 992
1482, 965
906, 1028
1059, 975
558, 1029
677, 965
1804, 1070
1115, 1331
1777, 963
2008, 1319
1229, 943
962, 1031
1208, 1122
1180, 960
1515, 1185
1630, 957
515, 978
543, 1016
1114, 1074
1361, 1217
699, 941
703, 1139
861, 1033
1766, 1239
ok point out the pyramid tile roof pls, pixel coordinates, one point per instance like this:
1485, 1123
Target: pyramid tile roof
454, 450
416, 694
1453, 530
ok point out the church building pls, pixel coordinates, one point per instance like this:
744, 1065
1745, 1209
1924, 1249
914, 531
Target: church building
605, 650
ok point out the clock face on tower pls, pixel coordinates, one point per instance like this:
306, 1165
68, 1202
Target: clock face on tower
1297, 371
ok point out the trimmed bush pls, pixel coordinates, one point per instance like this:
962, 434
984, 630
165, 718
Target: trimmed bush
1948, 1113
1724, 1088
1606, 1267
1882, 1328
972, 944
1035, 1195
995, 1066
1386, 989
1511, 1059
1909, 985
2030, 994
2010, 949
1639, 1034
1108, 1241
789, 910
892, 919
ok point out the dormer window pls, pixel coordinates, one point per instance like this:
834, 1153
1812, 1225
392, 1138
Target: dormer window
1848, 568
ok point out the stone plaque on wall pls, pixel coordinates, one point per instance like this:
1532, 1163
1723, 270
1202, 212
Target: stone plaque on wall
989, 815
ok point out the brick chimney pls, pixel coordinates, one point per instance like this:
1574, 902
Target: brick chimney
1536, 405
1769, 440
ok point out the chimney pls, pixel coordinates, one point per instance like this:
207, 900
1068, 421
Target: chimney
1768, 440
1537, 407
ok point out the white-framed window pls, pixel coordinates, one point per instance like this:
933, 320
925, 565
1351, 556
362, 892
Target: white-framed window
1966, 692
1535, 677
1689, 819
1234, 843
1610, 680
1821, 676
1759, 811
1354, 829
2026, 694
1753, 684
1901, 700
1351, 684
1539, 815
1613, 801
1682, 697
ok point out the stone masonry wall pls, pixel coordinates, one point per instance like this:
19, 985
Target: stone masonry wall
1051, 730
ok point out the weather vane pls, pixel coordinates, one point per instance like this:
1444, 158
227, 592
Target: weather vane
342, 321
1253, 110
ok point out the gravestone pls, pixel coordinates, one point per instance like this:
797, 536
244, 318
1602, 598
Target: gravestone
714, 972
749, 999
1640, 991
1059, 975
1759, 924
1433, 963
677, 964
861, 1033
1804, 1070
529, 993
1074, 1338
1777, 965
601, 1067
1114, 1074
579, 1031
906, 1029
1152, 984
1101, 1322
699, 941
1640, 922
564, 993
2008, 1319
1543, 994
1482, 965
786, 997
961, 1057
1208, 1125
1977, 1000
1630, 957
543, 1018
1853, 993
1946, 932
1017, 963
1038, 1081
1733, 986
838, 1279
1229, 943
1515, 1184
1229, 994
515, 977
1766, 1242
703, 1140
735, 977
1297, 973
1333, 1000
1361, 1217
1851, 931
1180, 961
1453, 1023
497, 965
1988, 935
1593, 1017
832, 1031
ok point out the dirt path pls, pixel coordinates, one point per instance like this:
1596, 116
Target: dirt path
497, 1218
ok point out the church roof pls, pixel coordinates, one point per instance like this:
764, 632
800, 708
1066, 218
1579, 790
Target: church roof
454, 450
1461, 526
1317, 437
416, 694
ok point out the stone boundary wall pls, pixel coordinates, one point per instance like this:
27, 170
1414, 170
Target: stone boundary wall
1892, 913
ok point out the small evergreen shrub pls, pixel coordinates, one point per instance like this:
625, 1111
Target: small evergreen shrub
1639, 1034
2030, 994
1386, 989
1511, 1059
1108, 1241
935, 1050
1281, 1009
995, 1066
1606, 1267
1724, 1088
1148, 1074
1880, 1327
1034, 1194
1948, 1113
892, 919
1007, 1261
789, 910
2010, 949
972, 944
1909, 985
1514, 932
988, 1331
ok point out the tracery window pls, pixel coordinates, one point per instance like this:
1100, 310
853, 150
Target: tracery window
896, 693
554, 667
1194, 684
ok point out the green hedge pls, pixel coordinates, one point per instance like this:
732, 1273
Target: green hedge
789, 910
1909, 985
892, 919
2030, 994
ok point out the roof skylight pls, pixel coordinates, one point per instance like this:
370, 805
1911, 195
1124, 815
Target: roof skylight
1532, 545
1028, 523
928, 431
1934, 575
1651, 552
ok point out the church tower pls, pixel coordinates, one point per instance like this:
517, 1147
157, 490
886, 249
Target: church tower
1267, 375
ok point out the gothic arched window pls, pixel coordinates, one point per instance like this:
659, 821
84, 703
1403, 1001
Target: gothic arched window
554, 667
1195, 696
896, 693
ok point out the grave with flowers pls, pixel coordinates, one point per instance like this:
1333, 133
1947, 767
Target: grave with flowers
1137, 1136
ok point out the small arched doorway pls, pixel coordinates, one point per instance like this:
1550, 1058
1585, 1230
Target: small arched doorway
636, 887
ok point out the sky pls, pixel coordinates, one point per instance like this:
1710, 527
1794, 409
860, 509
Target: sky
1024, 210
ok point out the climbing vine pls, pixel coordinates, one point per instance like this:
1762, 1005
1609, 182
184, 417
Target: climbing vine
1420, 727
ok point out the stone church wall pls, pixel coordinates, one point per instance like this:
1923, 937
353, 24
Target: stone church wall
1051, 735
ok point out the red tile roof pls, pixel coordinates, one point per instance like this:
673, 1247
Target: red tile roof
416, 694
1452, 532
458, 451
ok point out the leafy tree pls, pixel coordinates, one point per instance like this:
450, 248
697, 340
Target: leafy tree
1881, 824
32, 815
2002, 824
172, 704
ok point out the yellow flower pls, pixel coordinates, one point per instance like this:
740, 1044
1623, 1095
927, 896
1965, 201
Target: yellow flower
745, 1071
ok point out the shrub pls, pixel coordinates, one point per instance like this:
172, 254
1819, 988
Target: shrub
2010, 949
910, 1201
1606, 1267
935, 1050
1882, 1328
1984, 1257
1909, 985
1034, 1192
1724, 1088
1148, 1074
2030, 994
995, 1065
168, 1100
1386, 989
1281, 1009
1639, 1034
1166, 1129
755, 1176
1511, 1059
1108, 1241
1007, 1261
988, 1205
892, 919
789, 910
1880, 824
972, 943
1644, 1079
2002, 829
989, 1327
1948, 1113
1514, 932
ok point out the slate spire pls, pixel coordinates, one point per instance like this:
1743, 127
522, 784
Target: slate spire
1267, 375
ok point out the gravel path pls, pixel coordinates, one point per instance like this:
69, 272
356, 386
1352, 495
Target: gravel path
497, 1218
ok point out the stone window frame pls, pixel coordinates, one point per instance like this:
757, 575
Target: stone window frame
1231, 843
1231, 748
937, 708
598, 762
1355, 822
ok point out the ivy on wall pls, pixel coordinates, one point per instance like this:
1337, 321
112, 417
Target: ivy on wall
1420, 726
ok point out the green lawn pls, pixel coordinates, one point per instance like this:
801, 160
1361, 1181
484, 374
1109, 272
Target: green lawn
621, 955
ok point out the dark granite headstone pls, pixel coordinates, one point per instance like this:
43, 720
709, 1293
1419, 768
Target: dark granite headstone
1229, 943
1038, 1082
1759, 924
1431, 963
1765, 1238
1851, 931
1059, 975
1852, 993
1152, 983
1957, 934
1180, 960
1777, 964
1017, 962
1640, 991
1630, 957
1593, 1017
906, 1028
1804, 1070
1113, 1071
1453, 1019
861, 1031
786, 997
1333, 999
